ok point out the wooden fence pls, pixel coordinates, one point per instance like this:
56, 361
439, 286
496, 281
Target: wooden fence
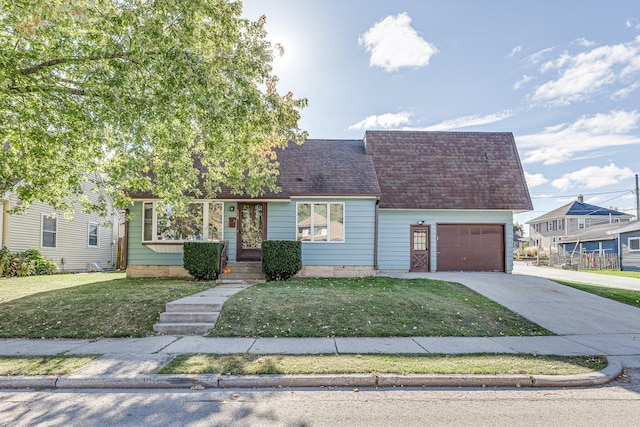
587, 261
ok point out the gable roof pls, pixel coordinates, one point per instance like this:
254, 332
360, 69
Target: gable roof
576, 208
448, 170
319, 167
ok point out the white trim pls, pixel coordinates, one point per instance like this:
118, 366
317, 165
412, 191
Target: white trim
205, 220
55, 232
629, 243
89, 245
449, 210
311, 223
336, 197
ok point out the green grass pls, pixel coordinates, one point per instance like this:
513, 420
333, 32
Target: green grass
19, 287
42, 365
86, 305
491, 364
625, 296
634, 274
367, 307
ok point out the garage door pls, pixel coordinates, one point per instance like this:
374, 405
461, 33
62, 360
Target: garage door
470, 247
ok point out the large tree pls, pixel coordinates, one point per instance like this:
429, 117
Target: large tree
127, 93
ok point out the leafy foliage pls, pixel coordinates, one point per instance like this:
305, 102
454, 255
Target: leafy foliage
281, 259
27, 263
202, 259
127, 94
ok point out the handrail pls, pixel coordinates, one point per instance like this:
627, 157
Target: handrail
224, 256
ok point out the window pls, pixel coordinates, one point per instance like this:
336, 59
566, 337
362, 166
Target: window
92, 235
49, 231
550, 225
161, 223
320, 222
634, 244
536, 227
559, 224
580, 223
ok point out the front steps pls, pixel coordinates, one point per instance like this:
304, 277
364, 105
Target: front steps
196, 314
248, 271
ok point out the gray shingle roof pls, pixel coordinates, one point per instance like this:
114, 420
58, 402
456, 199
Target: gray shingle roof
448, 170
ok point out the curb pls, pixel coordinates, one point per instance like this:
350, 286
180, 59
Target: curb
158, 381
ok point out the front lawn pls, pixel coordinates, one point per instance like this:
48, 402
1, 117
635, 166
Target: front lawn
86, 305
487, 364
625, 296
42, 365
367, 307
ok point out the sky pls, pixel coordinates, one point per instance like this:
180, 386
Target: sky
562, 76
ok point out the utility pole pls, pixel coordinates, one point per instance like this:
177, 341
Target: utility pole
637, 200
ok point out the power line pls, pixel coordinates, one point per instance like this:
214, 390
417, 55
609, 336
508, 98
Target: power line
624, 192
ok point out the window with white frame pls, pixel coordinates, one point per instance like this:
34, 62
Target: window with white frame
634, 244
550, 225
92, 234
199, 221
581, 223
536, 227
559, 224
49, 231
320, 222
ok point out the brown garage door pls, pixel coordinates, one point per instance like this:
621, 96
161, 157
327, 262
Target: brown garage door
470, 247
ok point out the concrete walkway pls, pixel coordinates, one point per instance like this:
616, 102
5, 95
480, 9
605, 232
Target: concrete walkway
585, 324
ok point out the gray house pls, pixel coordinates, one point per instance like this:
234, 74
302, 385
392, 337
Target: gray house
628, 237
394, 200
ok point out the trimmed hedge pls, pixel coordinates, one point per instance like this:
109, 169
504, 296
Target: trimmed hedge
202, 259
281, 259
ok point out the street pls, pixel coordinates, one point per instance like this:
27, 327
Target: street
616, 404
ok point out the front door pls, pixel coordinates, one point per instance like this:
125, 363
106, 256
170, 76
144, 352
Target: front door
252, 230
419, 248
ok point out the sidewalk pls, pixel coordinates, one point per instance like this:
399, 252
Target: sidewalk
585, 324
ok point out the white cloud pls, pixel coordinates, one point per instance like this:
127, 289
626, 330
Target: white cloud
467, 121
563, 142
393, 43
524, 80
383, 121
515, 51
537, 57
584, 42
593, 177
589, 73
534, 180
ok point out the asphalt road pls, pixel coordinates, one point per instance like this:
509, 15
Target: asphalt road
616, 404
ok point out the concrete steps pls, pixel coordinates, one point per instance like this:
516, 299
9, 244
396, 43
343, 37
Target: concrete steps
248, 271
198, 313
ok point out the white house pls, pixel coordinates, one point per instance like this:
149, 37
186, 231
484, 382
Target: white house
86, 242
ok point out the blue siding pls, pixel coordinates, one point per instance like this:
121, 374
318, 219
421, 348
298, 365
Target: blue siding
608, 246
629, 261
357, 249
140, 254
394, 233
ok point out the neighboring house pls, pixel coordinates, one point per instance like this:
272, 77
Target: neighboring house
570, 219
84, 243
595, 239
519, 242
395, 200
628, 237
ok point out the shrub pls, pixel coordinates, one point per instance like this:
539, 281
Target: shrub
531, 251
202, 259
281, 259
27, 263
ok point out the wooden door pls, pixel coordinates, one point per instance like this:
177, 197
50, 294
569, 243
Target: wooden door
251, 231
419, 248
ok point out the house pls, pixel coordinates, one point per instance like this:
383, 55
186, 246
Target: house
595, 239
572, 218
394, 200
85, 242
628, 237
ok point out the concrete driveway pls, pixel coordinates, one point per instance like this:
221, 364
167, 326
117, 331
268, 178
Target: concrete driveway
560, 309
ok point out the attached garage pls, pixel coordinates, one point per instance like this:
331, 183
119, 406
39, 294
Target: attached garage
470, 247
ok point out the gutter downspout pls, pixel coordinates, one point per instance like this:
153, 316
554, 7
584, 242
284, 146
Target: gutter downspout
375, 233
125, 245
